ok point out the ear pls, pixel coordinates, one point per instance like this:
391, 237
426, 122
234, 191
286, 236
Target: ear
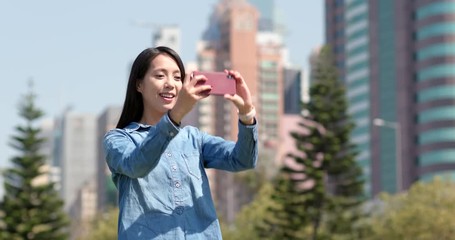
139, 86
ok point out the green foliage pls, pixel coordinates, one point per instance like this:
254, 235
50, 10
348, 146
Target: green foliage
253, 180
424, 212
343, 184
250, 217
328, 107
31, 207
256, 184
104, 227
285, 214
320, 189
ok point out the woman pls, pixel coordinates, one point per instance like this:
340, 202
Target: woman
158, 166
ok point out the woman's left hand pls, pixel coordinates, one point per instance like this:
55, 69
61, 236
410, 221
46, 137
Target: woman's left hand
242, 99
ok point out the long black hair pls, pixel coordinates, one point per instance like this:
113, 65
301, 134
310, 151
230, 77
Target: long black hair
133, 107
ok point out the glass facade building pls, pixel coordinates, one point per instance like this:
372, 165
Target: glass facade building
396, 59
357, 80
435, 87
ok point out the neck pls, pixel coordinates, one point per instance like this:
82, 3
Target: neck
150, 118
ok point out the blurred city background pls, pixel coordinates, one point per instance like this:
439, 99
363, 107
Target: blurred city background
394, 58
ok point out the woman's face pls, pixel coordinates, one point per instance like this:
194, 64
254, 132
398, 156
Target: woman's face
161, 85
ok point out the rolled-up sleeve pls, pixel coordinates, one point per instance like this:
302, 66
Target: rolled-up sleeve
136, 159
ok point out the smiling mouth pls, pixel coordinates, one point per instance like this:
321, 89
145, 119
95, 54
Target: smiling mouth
167, 95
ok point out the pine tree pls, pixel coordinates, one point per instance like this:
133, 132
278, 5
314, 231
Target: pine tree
307, 176
326, 180
31, 207
283, 217
299, 188
344, 183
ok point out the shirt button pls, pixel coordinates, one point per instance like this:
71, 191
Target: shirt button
169, 154
171, 134
179, 210
177, 184
174, 167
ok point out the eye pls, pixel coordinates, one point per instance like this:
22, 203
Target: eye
177, 78
159, 76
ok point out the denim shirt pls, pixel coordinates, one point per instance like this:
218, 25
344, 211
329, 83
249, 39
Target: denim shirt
159, 172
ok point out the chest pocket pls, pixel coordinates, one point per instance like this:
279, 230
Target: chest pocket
193, 164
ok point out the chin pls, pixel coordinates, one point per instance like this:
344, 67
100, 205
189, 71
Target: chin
167, 108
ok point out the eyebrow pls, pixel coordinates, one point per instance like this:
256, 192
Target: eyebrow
165, 70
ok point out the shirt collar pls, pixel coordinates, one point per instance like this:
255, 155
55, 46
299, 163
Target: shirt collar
134, 126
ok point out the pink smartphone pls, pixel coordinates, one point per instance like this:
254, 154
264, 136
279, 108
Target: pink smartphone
221, 82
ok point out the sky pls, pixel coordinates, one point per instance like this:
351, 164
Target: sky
77, 53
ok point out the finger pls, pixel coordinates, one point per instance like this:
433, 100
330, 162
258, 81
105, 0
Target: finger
197, 81
190, 69
203, 94
228, 96
202, 88
198, 78
236, 99
237, 76
242, 88
188, 77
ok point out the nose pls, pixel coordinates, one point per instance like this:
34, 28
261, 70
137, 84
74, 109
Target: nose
170, 82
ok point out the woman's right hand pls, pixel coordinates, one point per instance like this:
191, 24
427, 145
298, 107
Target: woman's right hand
192, 91
242, 99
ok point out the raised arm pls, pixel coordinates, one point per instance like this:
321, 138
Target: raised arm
135, 159
232, 156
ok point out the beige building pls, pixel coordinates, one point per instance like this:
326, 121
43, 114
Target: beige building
106, 121
232, 41
270, 92
237, 50
75, 154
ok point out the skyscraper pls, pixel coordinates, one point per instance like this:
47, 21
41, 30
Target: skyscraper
233, 41
76, 156
168, 36
270, 90
106, 191
47, 150
267, 16
292, 90
237, 50
396, 60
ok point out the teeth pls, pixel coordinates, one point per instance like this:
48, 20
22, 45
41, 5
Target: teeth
168, 95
